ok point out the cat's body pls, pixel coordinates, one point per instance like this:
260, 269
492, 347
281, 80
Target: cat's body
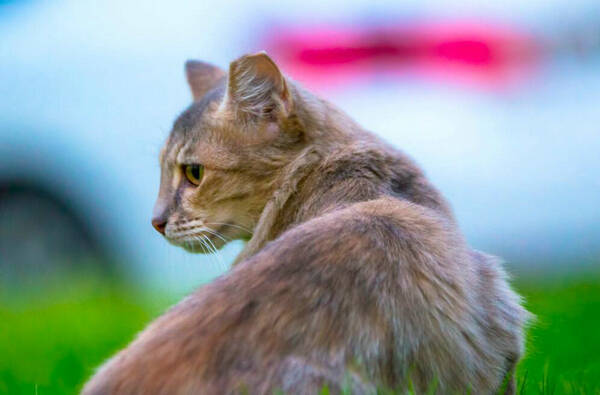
355, 275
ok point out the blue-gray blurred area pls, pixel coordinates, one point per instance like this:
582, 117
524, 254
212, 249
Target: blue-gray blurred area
89, 90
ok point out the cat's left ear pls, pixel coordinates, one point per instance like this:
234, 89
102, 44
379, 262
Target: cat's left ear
202, 77
257, 87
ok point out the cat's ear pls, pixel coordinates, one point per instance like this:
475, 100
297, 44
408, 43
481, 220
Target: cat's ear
202, 77
257, 87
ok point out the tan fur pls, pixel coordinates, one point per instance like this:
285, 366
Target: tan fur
355, 273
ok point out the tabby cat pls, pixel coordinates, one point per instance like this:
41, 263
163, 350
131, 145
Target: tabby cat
354, 275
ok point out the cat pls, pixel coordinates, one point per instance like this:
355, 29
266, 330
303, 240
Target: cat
354, 274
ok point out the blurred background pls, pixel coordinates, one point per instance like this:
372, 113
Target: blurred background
499, 102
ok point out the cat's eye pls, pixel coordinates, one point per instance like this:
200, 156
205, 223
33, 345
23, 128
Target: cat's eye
193, 173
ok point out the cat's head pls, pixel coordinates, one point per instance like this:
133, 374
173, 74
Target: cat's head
225, 153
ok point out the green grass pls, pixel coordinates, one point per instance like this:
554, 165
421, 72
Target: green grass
53, 336
563, 347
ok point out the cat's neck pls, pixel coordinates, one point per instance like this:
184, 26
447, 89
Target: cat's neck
276, 211
305, 190
326, 128
344, 165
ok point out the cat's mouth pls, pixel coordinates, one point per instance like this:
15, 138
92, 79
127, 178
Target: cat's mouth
201, 239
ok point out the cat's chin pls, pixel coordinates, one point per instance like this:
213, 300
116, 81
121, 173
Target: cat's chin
196, 247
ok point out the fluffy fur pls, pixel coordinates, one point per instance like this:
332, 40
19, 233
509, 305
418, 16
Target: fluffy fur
355, 273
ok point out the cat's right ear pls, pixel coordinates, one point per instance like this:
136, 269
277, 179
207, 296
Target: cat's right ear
257, 88
202, 77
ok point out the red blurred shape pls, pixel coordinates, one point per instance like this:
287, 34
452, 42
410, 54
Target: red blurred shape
463, 52
470, 52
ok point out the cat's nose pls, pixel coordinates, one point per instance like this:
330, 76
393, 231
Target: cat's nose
159, 224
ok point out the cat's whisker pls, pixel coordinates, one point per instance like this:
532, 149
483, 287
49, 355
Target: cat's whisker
187, 225
212, 251
232, 225
217, 234
188, 244
183, 233
193, 238
187, 231
202, 242
215, 252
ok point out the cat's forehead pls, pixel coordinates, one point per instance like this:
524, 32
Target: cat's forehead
201, 134
199, 112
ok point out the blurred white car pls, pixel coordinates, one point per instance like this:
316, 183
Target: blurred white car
88, 92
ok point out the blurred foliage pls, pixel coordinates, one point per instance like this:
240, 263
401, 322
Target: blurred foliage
52, 336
